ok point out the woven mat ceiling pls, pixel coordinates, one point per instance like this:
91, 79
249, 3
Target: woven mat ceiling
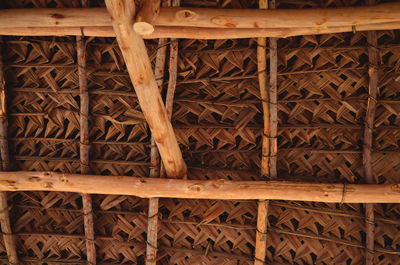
217, 117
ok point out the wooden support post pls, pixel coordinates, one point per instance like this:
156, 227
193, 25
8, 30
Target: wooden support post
133, 49
373, 55
9, 241
85, 146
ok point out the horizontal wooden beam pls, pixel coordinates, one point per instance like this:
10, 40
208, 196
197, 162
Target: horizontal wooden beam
199, 189
205, 23
209, 17
194, 32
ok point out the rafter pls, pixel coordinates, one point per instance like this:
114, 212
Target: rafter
88, 219
138, 63
373, 55
9, 241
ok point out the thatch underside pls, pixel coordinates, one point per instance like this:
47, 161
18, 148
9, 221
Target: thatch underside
218, 120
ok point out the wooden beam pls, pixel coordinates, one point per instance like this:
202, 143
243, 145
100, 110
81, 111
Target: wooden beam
88, 218
146, 16
173, 76
152, 225
8, 238
199, 189
194, 32
261, 233
263, 84
209, 17
373, 55
133, 49
273, 103
152, 232
262, 213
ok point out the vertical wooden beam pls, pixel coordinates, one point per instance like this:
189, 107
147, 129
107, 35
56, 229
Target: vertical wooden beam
262, 214
263, 84
152, 225
85, 146
373, 55
9, 241
134, 51
273, 101
173, 76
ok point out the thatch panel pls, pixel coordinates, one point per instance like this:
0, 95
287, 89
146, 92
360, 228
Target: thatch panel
207, 226
34, 218
320, 167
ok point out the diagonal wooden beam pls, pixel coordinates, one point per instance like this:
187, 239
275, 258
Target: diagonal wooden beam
373, 55
88, 219
9, 241
133, 49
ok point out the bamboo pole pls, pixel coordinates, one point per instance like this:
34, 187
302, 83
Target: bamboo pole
199, 189
373, 55
138, 63
210, 17
88, 219
9, 240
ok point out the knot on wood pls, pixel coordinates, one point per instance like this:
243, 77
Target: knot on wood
396, 187
196, 187
186, 15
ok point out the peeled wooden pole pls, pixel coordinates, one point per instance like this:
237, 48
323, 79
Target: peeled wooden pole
173, 76
199, 189
146, 16
273, 104
140, 71
194, 32
209, 17
85, 147
9, 241
152, 226
373, 55
262, 213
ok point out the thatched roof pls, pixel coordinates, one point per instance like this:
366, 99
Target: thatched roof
218, 121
